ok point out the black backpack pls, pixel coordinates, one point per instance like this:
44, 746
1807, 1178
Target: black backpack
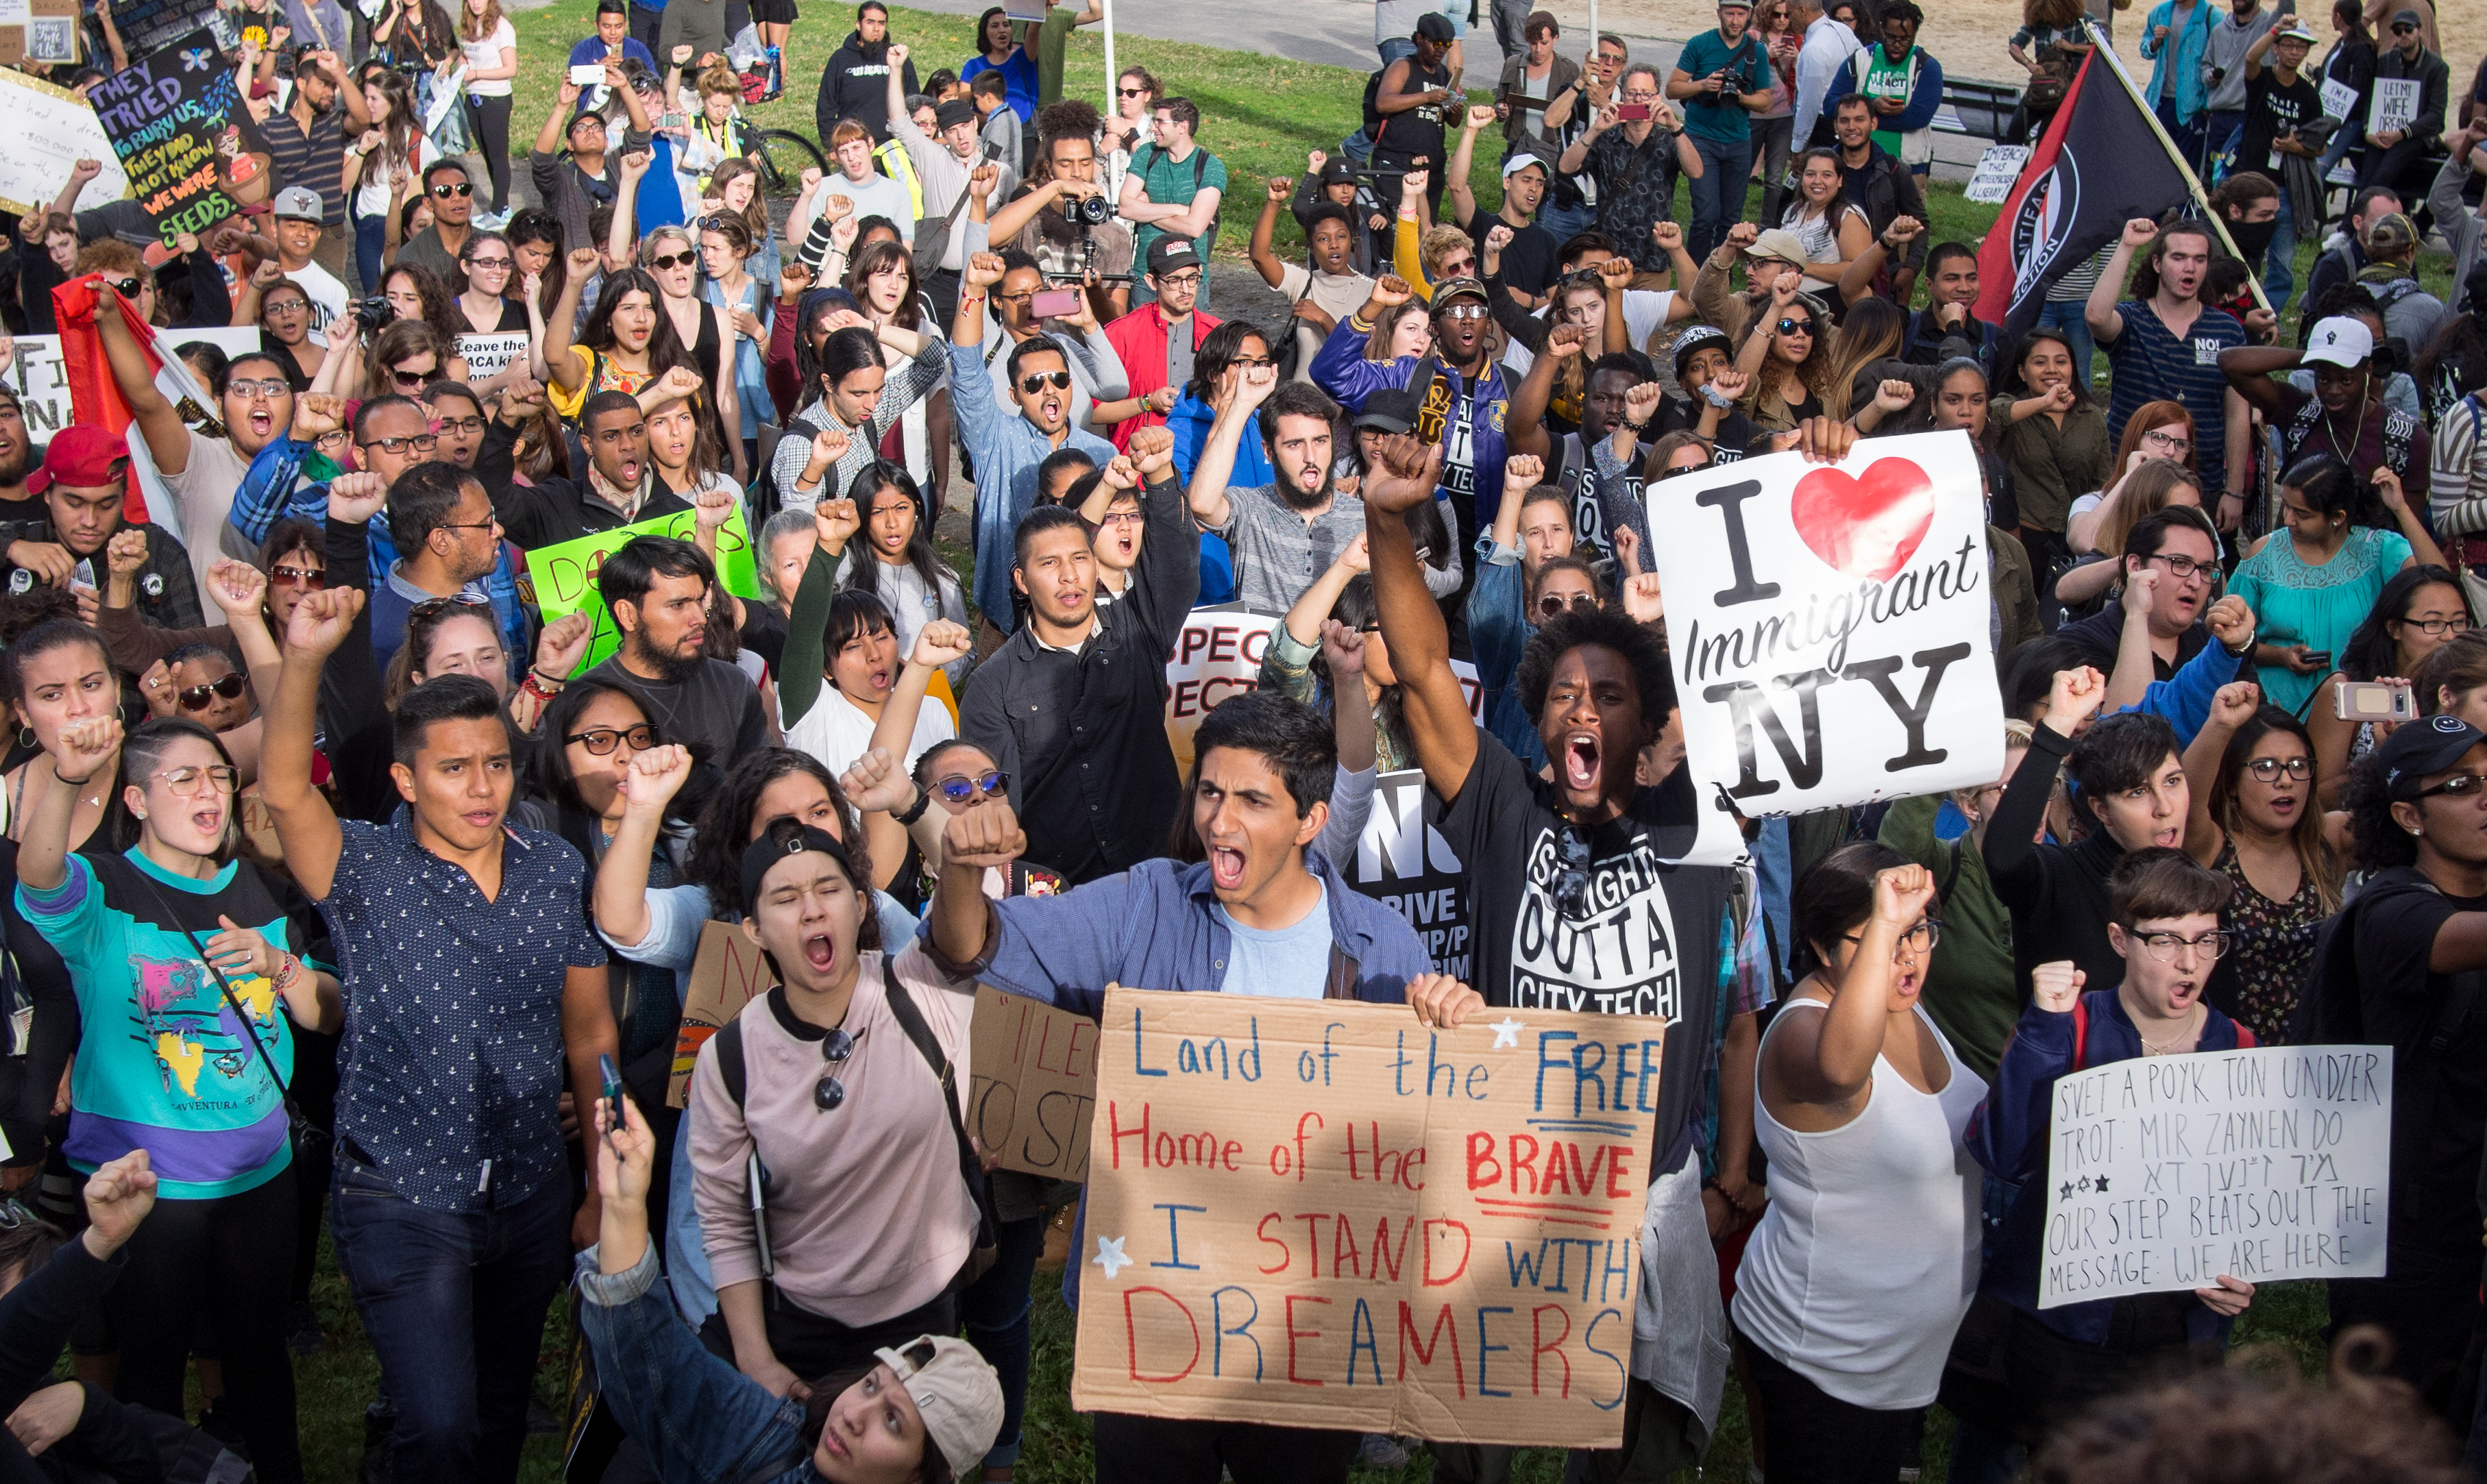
2328, 1011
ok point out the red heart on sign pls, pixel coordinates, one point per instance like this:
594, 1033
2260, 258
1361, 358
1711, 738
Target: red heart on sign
1867, 527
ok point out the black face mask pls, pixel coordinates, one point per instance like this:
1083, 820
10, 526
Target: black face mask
2253, 238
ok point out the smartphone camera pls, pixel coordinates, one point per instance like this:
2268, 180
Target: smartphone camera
1055, 304
2373, 701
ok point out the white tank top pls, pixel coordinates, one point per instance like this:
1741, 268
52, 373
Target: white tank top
1868, 1254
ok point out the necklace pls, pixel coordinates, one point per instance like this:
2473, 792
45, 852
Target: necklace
2174, 1045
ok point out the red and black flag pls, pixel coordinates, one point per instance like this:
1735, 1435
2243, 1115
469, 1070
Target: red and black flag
2101, 163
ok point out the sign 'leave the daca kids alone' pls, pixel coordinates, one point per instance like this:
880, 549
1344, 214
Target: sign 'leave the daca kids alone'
2166, 1172
564, 574
1323, 1214
169, 116
1806, 602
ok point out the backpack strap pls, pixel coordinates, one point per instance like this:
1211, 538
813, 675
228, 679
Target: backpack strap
971, 1168
728, 1042
2080, 1031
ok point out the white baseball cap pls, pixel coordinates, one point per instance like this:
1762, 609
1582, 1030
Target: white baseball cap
2340, 341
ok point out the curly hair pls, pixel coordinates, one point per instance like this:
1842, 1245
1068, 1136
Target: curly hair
726, 826
2380, 841
1606, 628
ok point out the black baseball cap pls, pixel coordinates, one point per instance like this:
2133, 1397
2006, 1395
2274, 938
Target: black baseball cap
1336, 172
1390, 410
954, 113
1173, 254
1435, 26
2418, 749
786, 836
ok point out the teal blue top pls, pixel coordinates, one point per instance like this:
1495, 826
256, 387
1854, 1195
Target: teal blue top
163, 1062
2317, 606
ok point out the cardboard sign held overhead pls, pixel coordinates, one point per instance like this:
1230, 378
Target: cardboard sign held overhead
728, 974
1033, 1084
1807, 602
170, 117
1321, 1214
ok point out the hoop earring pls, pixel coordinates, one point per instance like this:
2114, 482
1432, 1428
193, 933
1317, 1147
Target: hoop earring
25, 736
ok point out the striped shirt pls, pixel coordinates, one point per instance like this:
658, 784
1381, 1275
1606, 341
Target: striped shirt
2151, 364
2457, 475
315, 160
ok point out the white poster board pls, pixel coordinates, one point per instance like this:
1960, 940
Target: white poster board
488, 355
2165, 1172
2394, 105
1807, 602
2338, 98
50, 130
1218, 654
40, 378
1996, 169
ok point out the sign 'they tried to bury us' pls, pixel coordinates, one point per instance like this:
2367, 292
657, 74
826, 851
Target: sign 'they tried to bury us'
1321, 1214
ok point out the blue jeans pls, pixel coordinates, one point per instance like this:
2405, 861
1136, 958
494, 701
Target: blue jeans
1566, 222
2280, 264
2065, 314
2187, 135
2348, 137
694, 1416
1719, 196
994, 1310
2220, 134
453, 1302
370, 239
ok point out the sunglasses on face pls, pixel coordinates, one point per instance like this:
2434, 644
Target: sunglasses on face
1132, 92
434, 607
1037, 381
1678, 471
421, 443
682, 260
1803, 327
1553, 604
413, 378
600, 741
829, 1092
195, 698
1467, 308
444, 192
310, 579
960, 788
2404, 30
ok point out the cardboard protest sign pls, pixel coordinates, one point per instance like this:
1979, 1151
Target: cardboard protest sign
727, 975
490, 355
2166, 1172
40, 376
1811, 601
169, 116
1032, 1084
564, 574
52, 131
1321, 1214
1218, 654
1996, 169
1403, 860
2338, 98
2394, 105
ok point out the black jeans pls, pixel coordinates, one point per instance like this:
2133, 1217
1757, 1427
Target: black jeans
2402, 167
232, 1258
453, 1302
2427, 1300
1811, 1434
813, 1345
996, 1309
489, 119
1163, 1450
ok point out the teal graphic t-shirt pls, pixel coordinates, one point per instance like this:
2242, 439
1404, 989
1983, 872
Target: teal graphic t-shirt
163, 1061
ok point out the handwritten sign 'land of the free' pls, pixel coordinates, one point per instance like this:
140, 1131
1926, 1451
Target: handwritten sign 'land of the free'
1323, 1214
2165, 1172
1810, 601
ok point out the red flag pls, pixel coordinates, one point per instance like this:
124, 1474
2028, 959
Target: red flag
95, 397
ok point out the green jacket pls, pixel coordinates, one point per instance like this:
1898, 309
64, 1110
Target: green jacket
1969, 989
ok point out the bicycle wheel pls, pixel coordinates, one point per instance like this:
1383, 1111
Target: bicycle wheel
784, 156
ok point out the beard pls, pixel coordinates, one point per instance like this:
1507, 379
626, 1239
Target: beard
671, 666
15, 467
1302, 500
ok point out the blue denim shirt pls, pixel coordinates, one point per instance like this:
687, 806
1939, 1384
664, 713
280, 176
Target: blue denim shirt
699, 1419
2182, 50
1006, 448
1499, 633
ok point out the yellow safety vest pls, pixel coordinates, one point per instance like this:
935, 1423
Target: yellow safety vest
895, 164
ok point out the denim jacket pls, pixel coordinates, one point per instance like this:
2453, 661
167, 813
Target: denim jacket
699, 1419
2182, 50
1500, 631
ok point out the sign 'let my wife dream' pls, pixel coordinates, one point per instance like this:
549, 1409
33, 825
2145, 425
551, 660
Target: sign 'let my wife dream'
1810, 601
1323, 1213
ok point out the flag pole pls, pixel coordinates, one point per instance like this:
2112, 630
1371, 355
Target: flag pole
2201, 199
1106, 7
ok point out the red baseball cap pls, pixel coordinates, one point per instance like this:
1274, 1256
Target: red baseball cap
82, 455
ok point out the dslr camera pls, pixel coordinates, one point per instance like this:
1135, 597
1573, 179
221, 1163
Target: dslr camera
373, 314
1089, 211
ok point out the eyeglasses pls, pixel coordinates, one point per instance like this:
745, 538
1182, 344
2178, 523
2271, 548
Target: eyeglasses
1553, 604
2460, 785
271, 388
2185, 568
1460, 268
1465, 309
2431, 627
1571, 881
284, 306
2166, 947
467, 426
1793, 326
195, 698
331, 441
2168, 441
1920, 939
126, 288
185, 782
413, 378
1181, 280
2265, 769
421, 443
307, 577
835, 1048
600, 741
960, 788
1037, 381
444, 192
681, 260
502, 263
1252, 359
1120, 518
1020, 297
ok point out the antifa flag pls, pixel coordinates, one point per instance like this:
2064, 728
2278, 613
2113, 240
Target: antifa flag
2099, 165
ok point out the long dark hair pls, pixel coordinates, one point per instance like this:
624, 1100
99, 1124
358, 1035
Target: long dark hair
873, 258
536, 225
716, 861
853, 612
439, 310
2373, 651
2355, 14
2014, 381
665, 349
864, 488
2314, 857
1832, 897
547, 771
